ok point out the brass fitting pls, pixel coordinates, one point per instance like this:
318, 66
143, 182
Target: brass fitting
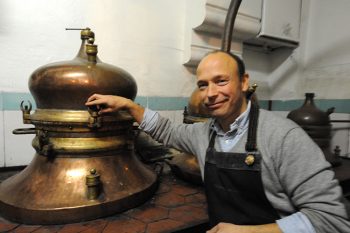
93, 184
86, 33
26, 112
91, 51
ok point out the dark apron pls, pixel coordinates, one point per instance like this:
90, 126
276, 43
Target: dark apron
233, 184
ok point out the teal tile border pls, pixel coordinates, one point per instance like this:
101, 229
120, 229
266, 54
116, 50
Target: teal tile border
141, 101
1, 102
167, 103
341, 105
10, 101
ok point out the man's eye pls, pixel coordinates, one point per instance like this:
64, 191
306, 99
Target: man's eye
201, 86
222, 82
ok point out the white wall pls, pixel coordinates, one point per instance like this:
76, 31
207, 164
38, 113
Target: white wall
327, 54
143, 37
321, 62
2, 144
277, 72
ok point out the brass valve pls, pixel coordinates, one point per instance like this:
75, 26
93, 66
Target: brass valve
253, 87
251, 90
91, 48
85, 33
95, 121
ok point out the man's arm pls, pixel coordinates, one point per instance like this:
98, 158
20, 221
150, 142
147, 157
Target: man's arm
310, 184
231, 228
111, 103
182, 137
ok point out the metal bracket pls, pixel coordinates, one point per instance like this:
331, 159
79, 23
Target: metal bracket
26, 112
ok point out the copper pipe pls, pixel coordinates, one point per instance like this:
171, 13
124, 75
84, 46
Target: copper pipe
229, 24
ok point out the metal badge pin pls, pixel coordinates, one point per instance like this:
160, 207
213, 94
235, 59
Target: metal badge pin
249, 160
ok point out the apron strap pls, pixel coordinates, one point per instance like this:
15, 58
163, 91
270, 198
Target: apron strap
212, 139
251, 145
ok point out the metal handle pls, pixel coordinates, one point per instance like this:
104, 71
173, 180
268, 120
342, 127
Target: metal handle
24, 131
330, 110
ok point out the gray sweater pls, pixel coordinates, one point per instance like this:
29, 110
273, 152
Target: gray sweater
295, 174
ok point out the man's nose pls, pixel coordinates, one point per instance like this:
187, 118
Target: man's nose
212, 90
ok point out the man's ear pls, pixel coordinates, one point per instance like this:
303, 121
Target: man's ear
245, 82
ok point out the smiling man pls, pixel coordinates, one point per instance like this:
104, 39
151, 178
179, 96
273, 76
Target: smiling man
261, 172
221, 87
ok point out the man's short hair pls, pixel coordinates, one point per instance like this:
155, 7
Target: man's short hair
239, 61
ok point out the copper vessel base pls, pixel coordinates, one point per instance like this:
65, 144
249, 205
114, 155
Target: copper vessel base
53, 191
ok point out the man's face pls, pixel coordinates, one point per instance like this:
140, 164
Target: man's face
220, 88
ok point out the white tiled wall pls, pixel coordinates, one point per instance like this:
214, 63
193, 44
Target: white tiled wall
340, 133
2, 144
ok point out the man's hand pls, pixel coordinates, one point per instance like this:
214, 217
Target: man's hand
111, 103
231, 228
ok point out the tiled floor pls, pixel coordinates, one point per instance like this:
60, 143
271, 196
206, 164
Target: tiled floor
176, 207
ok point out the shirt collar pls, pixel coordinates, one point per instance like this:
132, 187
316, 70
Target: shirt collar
239, 124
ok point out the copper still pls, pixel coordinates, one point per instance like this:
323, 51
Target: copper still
316, 124
84, 166
185, 165
195, 110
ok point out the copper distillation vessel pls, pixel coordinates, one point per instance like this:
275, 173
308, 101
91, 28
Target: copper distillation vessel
84, 166
182, 164
317, 124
